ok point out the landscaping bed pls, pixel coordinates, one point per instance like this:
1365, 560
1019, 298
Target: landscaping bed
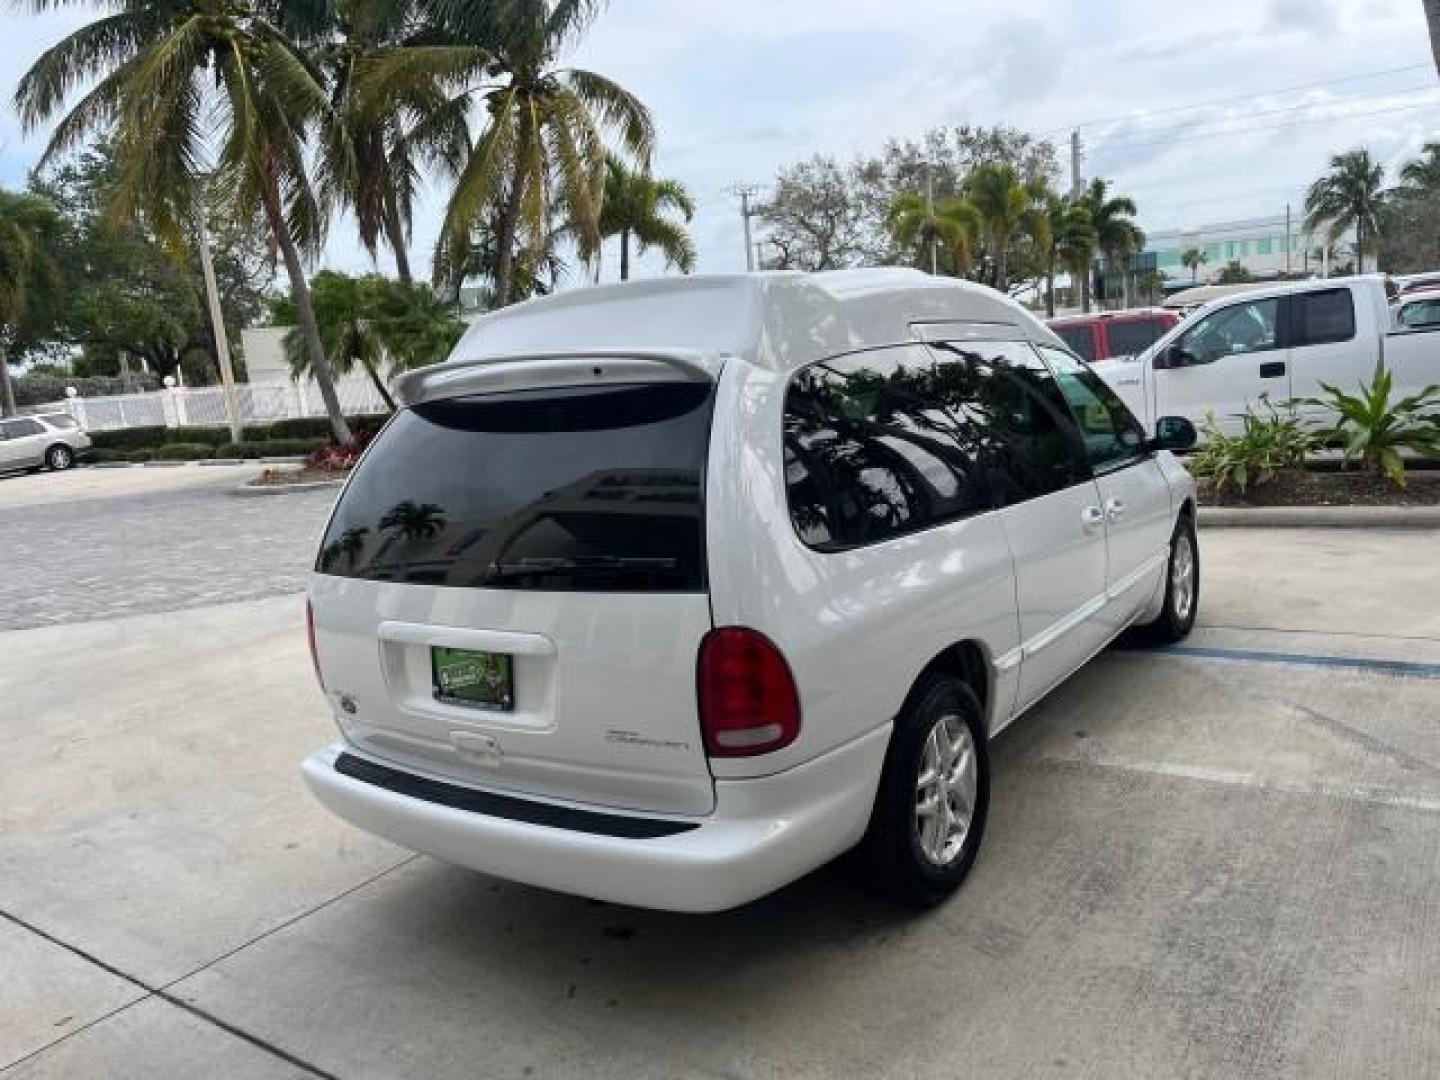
301, 474
1328, 487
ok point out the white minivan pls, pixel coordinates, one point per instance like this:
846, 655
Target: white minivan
668, 593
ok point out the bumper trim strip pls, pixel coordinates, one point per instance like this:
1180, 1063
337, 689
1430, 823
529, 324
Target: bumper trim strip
509, 807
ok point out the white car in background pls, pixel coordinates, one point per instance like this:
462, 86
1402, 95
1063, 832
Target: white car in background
1419, 310
43, 441
668, 593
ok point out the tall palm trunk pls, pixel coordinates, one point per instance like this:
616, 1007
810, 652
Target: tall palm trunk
505, 243
1050, 286
395, 233
305, 309
1432, 15
7, 389
379, 384
624, 254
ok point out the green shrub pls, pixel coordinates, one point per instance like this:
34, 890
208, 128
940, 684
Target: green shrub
98, 457
134, 438
1370, 427
291, 447
318, 427
139, 455
247, 449
184, 452
1267, 443
210, 436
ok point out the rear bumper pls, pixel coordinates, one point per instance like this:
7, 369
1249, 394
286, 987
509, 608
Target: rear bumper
763, 833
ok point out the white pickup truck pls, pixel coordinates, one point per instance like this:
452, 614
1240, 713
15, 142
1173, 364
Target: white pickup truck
1279, 342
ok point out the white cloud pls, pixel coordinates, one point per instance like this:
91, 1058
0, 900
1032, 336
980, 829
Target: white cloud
741, 87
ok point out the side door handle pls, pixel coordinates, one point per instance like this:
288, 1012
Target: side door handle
1114, 509
1092, 517
1272, 369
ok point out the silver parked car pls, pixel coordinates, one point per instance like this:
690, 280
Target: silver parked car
47, 440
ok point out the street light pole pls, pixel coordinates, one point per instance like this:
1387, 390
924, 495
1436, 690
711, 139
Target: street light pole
746, 213
217, 322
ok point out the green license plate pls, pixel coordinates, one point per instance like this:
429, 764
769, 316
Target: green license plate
480, 680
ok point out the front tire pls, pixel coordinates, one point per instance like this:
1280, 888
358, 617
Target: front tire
1182, 588
930, 809
59, 457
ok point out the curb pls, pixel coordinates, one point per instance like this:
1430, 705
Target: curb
251, 490
1321, 517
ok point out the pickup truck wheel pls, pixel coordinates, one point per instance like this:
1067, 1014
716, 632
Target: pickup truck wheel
930, 808
1182, 588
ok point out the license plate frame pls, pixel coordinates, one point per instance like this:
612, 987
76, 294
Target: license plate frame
473, 678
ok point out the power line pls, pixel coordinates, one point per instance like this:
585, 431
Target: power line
1188, 128
1128, 145
1241, 97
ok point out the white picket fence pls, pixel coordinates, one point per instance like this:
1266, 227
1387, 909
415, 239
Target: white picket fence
205, 406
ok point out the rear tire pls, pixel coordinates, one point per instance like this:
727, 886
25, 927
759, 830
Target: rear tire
1182, 589
930, 808
59, 457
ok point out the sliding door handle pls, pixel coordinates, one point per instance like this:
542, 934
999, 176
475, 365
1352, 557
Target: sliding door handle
1092, 517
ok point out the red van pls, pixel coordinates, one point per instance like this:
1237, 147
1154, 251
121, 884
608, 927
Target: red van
1103, 334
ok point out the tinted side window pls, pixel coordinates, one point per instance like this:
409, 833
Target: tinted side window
1420, 313
1322, 317
18, 429
1079, 338
1129, 338
1111, 434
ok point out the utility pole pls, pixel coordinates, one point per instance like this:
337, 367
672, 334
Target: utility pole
746, 193
930, 214
1287, 239
1075, 164
217, 322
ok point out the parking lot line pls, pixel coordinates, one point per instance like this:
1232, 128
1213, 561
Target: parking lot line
1258, 656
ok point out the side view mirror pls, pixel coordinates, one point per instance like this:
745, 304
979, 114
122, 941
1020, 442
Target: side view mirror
1173, 433
1177, 357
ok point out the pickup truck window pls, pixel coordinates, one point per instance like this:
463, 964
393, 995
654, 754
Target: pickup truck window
1322, 317
1111, 435
1079, 338
1232, 331
1421, 313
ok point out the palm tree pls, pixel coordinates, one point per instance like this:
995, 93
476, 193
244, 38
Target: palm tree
1194, 258
172, 80
389, 130
1115, 230
635, 204
1347, 197
378, 325
1010, 210
929, 227
541, 144
1422, 176
29, 227
1072, 239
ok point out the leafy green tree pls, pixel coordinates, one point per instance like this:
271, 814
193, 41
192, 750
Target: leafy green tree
1116, 234
941, 234
636, 205
174, 80
29, 274
375, 324
815, 218
542, 141
1348, 197
1234, 273
1071, 244
1408, 237
1011, 211
1193, 259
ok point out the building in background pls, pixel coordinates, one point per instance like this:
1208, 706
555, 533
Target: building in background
1263, 246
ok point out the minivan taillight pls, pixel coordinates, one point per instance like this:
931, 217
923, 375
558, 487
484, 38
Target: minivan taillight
748, 702
310, 635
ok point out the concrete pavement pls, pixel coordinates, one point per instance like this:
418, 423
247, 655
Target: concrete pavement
1196, 865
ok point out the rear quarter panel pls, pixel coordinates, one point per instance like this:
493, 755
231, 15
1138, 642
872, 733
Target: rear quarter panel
857, 627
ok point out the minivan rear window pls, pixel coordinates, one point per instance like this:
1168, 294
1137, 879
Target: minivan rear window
594, 489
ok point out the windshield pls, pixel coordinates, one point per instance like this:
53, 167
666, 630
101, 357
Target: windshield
576, 489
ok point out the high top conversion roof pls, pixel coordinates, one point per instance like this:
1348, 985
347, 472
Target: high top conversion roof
782, 321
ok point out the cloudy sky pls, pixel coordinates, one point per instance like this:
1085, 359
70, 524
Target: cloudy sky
742, 87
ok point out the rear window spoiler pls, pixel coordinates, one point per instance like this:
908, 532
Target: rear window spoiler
572, 367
